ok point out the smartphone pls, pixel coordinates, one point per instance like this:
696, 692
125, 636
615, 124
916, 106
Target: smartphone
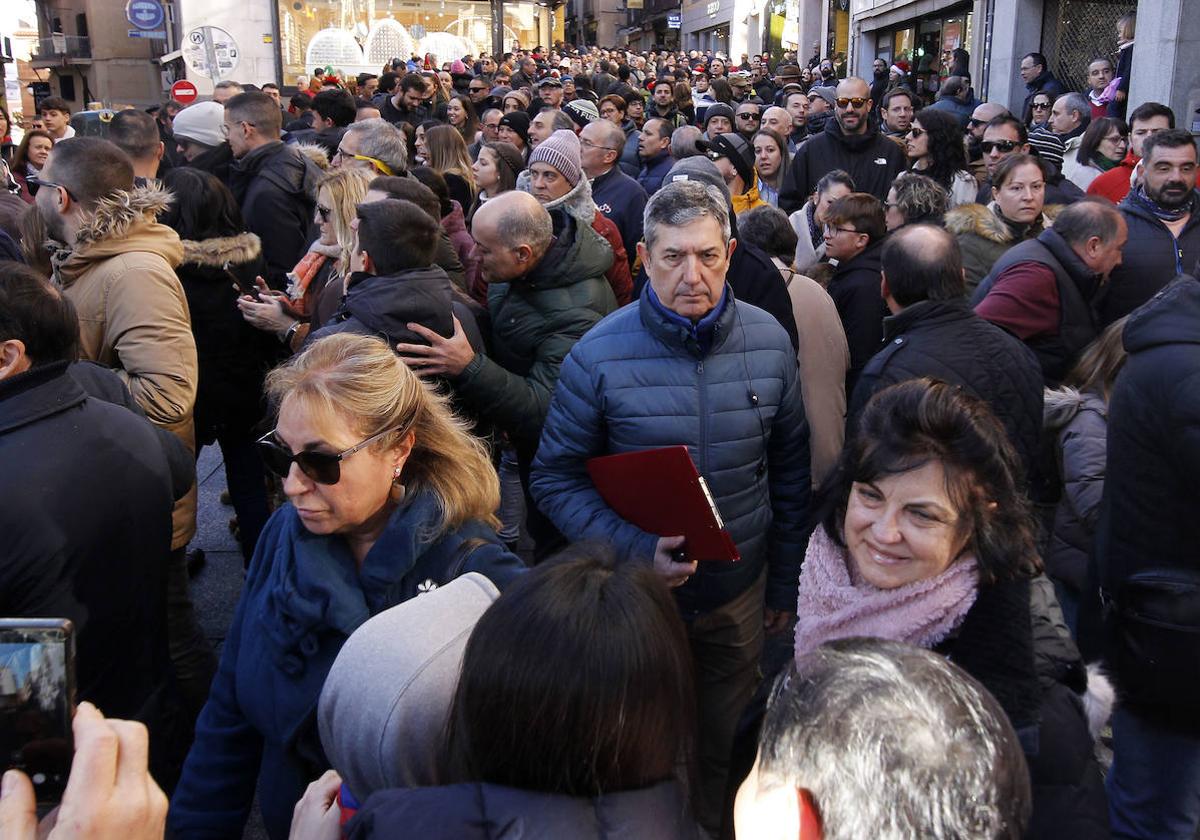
37, 701
246, 288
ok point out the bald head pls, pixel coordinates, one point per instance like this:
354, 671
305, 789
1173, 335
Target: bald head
778, 120
853, 118
921, 262
984, 114
512, 233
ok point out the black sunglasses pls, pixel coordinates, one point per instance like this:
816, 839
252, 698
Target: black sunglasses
915, 132
749, 116
321, 467
1005, 146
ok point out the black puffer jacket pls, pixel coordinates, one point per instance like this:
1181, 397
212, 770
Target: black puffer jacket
1079, 422
945, 340
275, 185
854, 288
1151, 259
872, 160
233, 356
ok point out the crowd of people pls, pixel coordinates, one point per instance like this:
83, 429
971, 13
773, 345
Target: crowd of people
931, 355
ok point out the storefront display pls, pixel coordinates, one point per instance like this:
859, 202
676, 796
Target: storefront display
925, 48
355, 36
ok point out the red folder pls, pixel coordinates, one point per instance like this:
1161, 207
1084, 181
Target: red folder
661, 492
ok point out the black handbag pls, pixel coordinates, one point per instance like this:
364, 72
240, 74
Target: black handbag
1154, 637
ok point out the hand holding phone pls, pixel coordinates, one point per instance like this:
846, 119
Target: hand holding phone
253, 290
110, 793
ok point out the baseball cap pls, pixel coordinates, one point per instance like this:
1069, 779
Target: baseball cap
735, 148
550, 81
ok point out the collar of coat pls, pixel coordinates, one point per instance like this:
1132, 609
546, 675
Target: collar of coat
984, 221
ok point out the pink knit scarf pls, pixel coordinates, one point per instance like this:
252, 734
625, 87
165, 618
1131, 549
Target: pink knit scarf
832, 606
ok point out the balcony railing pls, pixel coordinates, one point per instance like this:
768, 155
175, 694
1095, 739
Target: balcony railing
63, 46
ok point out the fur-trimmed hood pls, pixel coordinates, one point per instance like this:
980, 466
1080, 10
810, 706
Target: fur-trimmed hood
577, 204
316, 153
122, 223
116, 214
984, 221
215, 253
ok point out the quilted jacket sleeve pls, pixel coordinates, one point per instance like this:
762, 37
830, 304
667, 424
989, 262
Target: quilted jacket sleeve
573, 433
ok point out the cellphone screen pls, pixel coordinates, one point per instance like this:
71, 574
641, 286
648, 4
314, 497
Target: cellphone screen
37, 702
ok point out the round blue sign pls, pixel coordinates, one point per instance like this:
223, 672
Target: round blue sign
145, 14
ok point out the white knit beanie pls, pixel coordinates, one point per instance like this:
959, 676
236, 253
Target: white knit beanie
200, 123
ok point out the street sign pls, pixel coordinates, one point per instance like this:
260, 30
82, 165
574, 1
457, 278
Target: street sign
156, 34
210, 52
184, 92
673, 20
145, 14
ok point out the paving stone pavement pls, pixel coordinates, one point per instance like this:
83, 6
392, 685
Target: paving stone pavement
216, 588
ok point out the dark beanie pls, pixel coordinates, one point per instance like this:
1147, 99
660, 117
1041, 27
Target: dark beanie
518, 121
719, 109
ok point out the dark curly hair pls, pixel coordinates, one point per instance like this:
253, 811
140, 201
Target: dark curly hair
947, 154
912, 423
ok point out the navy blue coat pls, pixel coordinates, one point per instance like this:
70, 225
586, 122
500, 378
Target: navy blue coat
638, 381
475, 811
653, 172
302, 599
1152, 258
622, 200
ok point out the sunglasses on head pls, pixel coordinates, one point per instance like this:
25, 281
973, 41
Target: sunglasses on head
321, 467
999, 145
855, 102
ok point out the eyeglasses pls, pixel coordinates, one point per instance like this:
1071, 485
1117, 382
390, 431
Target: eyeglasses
830, 230
321, 467
383, 168
476, 89
915, 132
854, 101
39, 183
971, 123
1040, 106
1004, 146
589, 144
749, 116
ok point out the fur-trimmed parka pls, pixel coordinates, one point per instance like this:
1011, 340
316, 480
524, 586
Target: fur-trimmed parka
984, 236
133, 315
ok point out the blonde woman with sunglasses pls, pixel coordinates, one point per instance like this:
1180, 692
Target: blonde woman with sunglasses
315, 284
388, 497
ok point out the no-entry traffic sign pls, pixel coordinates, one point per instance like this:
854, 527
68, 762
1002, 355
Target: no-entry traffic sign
184, 92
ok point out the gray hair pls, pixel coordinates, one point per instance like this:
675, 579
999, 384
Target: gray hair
768, 228
381, 140
681, 203
1077, 102
683, 141
895, 742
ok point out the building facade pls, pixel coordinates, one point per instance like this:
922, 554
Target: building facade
91, 51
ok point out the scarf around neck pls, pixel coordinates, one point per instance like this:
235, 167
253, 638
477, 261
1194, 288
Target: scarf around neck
832, 606
1138, 196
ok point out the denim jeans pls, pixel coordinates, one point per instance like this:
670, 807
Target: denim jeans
1154, 783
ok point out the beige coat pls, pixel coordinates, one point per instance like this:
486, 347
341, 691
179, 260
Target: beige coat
823, 359
133, 316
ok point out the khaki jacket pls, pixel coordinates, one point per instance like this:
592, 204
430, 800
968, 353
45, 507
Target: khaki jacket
133, 316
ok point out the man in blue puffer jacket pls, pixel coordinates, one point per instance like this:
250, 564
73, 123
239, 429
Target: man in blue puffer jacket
687, 364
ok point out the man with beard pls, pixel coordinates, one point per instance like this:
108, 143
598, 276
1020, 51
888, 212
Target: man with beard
879, 80
850, 142
1163, 215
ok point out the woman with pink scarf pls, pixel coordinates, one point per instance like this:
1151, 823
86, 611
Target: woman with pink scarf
926, 537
